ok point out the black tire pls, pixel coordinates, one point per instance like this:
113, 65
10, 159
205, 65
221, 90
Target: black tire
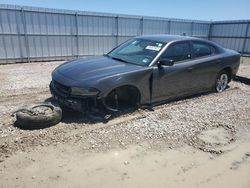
221, 81
31, 118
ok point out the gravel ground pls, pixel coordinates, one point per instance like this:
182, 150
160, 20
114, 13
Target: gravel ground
174, 123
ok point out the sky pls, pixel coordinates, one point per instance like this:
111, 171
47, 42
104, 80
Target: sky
210, 10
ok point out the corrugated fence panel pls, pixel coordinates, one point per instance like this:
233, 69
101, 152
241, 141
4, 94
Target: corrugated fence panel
155, 26
11, 22
37, 34
129, 26
229, 30
200, 29
231, 43
69, 49
247, 47
123, 39
97, 25
180, 28
2, 49
51, 46
248, 33
51, 24
12, 46
232, 34
93, 45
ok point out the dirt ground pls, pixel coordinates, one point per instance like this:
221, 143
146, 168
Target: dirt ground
202, 141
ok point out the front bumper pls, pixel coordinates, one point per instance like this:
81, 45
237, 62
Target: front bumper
64, 99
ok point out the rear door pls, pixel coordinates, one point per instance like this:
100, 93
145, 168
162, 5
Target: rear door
206, 60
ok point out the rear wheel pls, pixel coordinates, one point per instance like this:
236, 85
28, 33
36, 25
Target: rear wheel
222, 81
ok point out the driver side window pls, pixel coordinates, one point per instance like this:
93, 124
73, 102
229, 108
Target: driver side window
177, 52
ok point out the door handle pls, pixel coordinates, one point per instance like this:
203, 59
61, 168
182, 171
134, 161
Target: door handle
190, 69
218, 61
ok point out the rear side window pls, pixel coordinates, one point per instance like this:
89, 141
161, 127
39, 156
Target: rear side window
177, 52
202, 49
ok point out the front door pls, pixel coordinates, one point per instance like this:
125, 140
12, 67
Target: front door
176, 80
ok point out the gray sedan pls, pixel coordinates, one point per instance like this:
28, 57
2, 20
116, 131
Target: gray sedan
144, 71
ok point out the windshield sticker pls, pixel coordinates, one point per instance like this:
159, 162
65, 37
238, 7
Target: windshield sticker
135, 42
145, 60
155, 48
159, 44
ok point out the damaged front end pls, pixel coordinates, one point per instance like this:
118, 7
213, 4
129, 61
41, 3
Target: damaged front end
78, 99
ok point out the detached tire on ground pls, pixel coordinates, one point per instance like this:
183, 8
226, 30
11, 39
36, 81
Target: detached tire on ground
38, 116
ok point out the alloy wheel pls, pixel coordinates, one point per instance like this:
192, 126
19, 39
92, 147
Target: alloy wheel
222, 82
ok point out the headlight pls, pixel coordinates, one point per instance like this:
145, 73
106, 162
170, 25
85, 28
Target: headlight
84, 91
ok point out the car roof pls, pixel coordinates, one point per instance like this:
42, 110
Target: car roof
168, 38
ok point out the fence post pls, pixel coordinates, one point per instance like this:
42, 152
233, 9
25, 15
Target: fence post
192, 28
25, 35
141, 26
19, 35
169, 27
210, 31
77, 35
117, 30
245, 39
4, 42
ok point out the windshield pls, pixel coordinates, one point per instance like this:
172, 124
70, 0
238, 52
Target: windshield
137, 51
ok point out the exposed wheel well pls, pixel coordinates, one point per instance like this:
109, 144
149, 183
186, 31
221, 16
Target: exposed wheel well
126, 96
229, 71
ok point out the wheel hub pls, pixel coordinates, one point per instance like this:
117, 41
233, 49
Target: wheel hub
222, 82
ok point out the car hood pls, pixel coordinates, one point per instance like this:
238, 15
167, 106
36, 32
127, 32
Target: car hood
95, 68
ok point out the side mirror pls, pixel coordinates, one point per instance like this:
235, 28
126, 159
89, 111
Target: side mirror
166, 62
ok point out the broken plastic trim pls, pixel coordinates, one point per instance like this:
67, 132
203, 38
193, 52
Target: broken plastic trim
109, 108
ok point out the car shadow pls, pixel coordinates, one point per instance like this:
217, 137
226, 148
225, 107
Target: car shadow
102, 116
169, 101
99, 116
243, 80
